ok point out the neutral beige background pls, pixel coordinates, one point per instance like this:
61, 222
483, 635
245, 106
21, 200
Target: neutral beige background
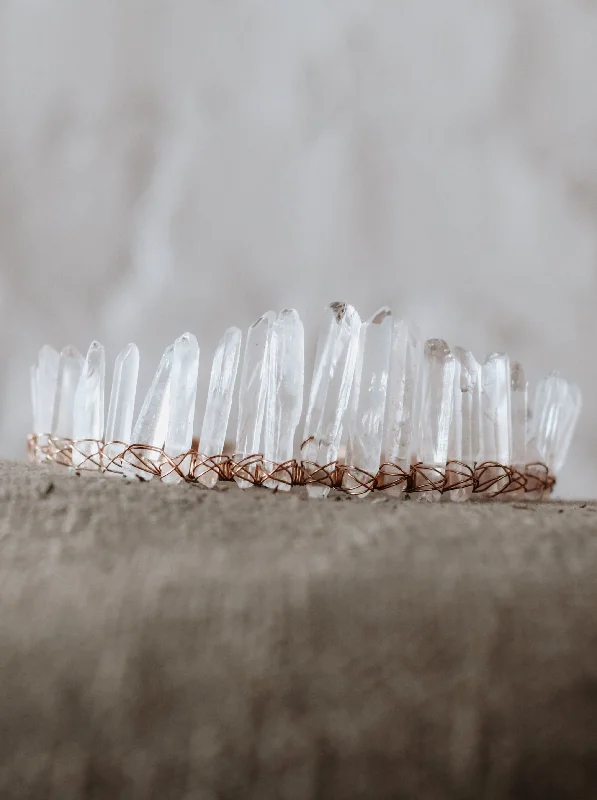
186, 165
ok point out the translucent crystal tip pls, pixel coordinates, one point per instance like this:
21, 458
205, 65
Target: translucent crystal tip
380, 315
437, 348
494, 357
517, 376
268, 317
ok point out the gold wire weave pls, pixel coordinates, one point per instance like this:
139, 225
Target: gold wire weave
488, 478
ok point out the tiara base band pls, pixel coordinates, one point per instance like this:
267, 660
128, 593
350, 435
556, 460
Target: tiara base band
488, 479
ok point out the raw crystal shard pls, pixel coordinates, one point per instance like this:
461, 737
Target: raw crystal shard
519, 414
284, 395
88, 412
470, 406
251, 399
437, 396
70, 367
370, 390
34, 406
152, 424
558, 404
219, 401
122, 402
454, 472
496, 441
183, 398
400, 432
44, 382
333, 374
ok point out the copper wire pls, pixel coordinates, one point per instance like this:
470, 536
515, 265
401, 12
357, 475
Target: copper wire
489, 478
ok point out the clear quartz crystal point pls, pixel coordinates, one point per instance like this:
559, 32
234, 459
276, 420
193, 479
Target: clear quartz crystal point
470, 405
70, 367
333, 374
219, 401
284, 395
437, 396
34, 411
401, 425
496, 440
183, 398
122, 402
252, 396
88, 412
519, 414
558, 404
152, 423
44, 382
454, 472
369, 393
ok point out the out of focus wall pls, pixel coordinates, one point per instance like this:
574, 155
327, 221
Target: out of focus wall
188, 164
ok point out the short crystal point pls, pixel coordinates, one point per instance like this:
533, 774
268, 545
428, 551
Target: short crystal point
88, 411
369, 397
70, 367
251, 400
183, 398
496, 409
496, 418
44, 383
400, 436
470, 410
437, 398
284, 395
122, 402
152, 423
519, 413
558, 404
219, 401
331, 386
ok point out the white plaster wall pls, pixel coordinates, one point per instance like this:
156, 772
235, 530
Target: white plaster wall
188, 164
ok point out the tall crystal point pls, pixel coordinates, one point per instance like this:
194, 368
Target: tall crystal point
400, 432
34, 411
558, 404
519, 413
252, 395
470, 405
370, 390
496, 420
44, 382
437, 396
70, 367
183, 398
152, 423
88, 414
495, 409
219, 400
454, 473
333, 374
284, 394
122, 401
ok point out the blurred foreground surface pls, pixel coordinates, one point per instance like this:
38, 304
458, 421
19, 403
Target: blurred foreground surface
172, 642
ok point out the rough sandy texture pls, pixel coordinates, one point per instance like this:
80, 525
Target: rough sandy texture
171, 642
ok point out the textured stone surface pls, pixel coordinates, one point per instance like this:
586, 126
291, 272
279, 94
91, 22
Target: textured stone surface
172, 642
219, 159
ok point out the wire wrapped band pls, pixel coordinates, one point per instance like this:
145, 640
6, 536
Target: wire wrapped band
488, 478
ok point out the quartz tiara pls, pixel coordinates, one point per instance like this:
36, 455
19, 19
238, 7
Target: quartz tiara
385, 412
